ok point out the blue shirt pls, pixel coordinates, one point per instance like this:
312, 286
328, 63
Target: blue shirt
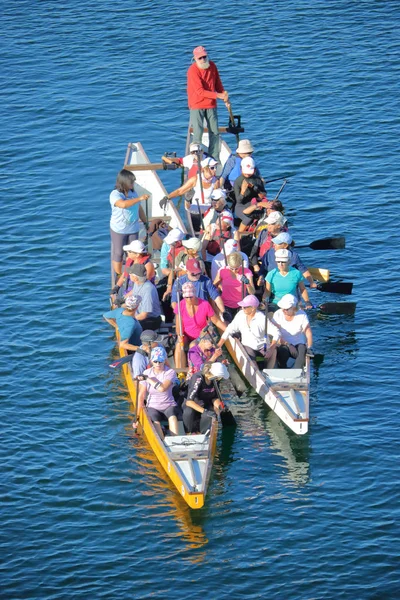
139, 364
129, 328
281, 285
205, 289
150, 303
124, 220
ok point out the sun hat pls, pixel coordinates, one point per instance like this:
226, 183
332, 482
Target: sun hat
193, 266
244, 147
282, 255
218, 194
199, 51
158, 354
275, 218
148, 335
138, 270
249, 300
132, 302
195, 147
287, 301
175, 235
219, 371
231, 246
192, 243
135, 246
188, 290
282, 238
248, 166
208, 162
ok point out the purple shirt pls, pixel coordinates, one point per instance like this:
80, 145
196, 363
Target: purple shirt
197, 358
157, 399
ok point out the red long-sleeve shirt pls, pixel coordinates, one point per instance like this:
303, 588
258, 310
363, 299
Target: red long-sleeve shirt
203, 85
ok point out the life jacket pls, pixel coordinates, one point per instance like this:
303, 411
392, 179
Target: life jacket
266, 245
173, 253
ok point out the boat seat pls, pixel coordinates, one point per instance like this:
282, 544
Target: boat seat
176, 456
286, 379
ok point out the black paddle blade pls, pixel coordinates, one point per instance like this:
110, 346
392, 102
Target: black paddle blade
338, 243
337, 287
227, 418
121, 361
338, 308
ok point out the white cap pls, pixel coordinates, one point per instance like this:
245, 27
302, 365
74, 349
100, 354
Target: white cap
275, 217
175, 235
209, 162
135, 246
282, 255
248, 165
244, 147
192, 243
218, 194
287, 301
231, 246
219, 370
195, 147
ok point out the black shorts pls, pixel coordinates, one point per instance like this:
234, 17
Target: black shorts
158, 415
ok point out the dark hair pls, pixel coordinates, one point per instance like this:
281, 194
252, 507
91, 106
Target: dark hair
277, 205
125, 181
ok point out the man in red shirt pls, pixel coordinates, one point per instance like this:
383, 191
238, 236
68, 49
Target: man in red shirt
204, 87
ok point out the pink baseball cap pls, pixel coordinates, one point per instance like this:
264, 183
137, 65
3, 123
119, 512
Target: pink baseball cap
249, 301
199, 51
193, 266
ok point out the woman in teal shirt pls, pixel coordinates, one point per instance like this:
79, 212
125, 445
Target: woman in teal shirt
285, 280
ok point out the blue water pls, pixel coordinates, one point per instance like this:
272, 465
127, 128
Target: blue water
86, 512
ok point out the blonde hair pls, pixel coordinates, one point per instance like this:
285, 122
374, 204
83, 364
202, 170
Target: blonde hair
235, 259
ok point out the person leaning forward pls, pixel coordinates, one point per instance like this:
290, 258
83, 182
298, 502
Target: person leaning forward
204, 87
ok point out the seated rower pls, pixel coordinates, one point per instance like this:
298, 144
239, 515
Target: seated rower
247, 186
149, 339
202, 404
137, 254
250, 323
275, 223
219, 259
156, 389
190, 249
203, 351
285, 280
205, 290
171, 246
148, 312
235, 282
295, 332
192, 316
283, 241
218, 223
124, 319
190, 160
232, 167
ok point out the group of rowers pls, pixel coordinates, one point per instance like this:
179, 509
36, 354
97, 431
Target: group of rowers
206, 279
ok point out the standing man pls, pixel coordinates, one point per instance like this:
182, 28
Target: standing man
204, 87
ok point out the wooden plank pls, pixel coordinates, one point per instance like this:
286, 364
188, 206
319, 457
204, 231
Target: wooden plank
321, 275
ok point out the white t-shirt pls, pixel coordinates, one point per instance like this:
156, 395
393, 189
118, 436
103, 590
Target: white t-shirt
292, 331
252, 333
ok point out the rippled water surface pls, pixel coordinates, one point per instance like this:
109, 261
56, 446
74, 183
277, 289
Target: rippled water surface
86, 511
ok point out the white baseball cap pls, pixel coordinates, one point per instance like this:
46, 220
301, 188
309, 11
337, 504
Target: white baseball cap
218, 194
209, 162
218, 370
287, 301
282, 255
231, 246
275, 217
192, 243
135, 246
175, 235
248, 165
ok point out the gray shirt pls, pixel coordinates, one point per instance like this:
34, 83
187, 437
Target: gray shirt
150, 303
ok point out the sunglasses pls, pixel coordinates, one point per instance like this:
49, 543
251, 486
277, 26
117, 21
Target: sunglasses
195, 274
213, 167
208, 349
158, 362
202, 57
281, 262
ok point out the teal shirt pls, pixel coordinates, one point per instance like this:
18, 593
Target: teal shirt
129, 328
283, 285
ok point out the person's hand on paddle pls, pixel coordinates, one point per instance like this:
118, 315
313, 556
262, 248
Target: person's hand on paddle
210, 413
245, 280
244, 186
308, 306
163, 202
310, 352
141, 377
217, 353
314, 285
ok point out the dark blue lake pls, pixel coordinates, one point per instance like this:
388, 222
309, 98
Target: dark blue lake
86, 512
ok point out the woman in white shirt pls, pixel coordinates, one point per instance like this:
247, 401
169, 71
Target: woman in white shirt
295, 332
250, 323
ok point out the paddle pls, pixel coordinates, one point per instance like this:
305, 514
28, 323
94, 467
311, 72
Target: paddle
153, 167
227, 418
330, 243
232, 121
335, 287
125, 359
337, 308
321, 275
280, 178
180, 343
201, 189
222, 243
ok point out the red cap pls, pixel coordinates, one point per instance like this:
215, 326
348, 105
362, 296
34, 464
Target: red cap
193, 266
199, 51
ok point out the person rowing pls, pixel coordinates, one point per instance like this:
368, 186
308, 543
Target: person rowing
172, 245
149, 339
232, 168
137, 254
283, 241
203, 285
149, 310
247, 186
123, 319
275, 223
296, 337
218, 223
203, 351
190, 161
234, 281
202, 404
284, 280
156, 389
250, 323
192, 316
219, 260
